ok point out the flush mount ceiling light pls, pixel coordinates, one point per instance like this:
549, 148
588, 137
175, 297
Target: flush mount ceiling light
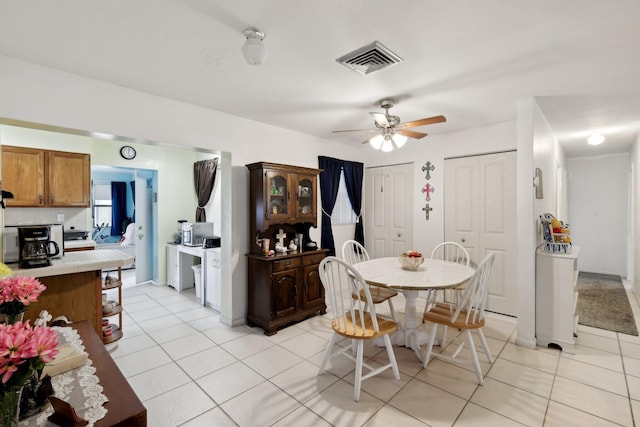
253, 49
595, 139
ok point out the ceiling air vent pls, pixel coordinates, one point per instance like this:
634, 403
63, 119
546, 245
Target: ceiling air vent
369, 58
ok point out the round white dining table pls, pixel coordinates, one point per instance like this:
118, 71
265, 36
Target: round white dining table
432, 274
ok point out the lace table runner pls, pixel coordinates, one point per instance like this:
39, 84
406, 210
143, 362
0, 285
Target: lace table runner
80, 387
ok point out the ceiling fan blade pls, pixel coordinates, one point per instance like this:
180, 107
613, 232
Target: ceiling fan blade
411, 133
423, 122
381, 119
355, 130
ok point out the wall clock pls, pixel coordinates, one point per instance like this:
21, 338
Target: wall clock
127, 152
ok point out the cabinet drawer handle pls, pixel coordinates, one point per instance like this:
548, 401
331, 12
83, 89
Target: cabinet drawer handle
287, 264
313, 259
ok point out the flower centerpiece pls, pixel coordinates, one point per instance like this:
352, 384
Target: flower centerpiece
24, 350
411, 260
17, 293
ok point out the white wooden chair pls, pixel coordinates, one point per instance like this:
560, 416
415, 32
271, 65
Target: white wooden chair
467, 315
453, 252
352, 253
349, 319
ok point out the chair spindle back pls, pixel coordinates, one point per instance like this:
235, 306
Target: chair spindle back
341, 281
474, 298
353, 252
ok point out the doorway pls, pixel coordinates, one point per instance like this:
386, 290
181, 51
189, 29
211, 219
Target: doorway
389, 207
139, 238
480, 214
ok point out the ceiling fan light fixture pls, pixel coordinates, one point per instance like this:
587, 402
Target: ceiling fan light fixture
253, 49
376, 141
595, 139
387, 144
400, 140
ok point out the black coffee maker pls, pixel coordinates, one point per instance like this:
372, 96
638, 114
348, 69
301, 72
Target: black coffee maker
36, 248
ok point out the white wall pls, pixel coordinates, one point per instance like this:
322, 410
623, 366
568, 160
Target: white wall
36, 94
537, 148
634, 213
598, 206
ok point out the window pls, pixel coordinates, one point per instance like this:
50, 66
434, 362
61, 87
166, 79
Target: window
343, 213
101, 204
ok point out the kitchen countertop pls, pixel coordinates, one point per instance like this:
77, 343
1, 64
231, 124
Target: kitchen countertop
81, 243
77, 262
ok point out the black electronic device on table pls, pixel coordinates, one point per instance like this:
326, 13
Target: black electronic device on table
211, 242
75, 235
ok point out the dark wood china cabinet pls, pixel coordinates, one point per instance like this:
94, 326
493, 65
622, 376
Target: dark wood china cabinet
284, 287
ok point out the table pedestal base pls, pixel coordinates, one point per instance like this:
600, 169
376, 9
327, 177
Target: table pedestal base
410, 334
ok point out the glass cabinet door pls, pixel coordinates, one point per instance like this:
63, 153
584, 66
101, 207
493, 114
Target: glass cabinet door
306, 197
277, 195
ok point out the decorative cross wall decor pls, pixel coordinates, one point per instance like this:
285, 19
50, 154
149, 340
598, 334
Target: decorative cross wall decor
427, 190
428, 167
426, 210
281, 236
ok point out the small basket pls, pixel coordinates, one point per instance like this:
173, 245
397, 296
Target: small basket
410, 263
558, 248
550, 243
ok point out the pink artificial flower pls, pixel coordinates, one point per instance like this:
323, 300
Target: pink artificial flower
7, 369
15, 348
23, 348
44, 343
16, 341
27, 289
6, 287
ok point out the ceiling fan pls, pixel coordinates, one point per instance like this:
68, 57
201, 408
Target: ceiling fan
391, 131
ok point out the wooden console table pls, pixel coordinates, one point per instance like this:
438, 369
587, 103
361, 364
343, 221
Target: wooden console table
123, 408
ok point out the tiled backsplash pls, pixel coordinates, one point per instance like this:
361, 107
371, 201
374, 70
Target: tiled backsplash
80, 218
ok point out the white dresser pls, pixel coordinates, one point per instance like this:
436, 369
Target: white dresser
557, 299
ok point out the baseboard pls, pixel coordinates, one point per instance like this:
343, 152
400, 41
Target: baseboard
528, 343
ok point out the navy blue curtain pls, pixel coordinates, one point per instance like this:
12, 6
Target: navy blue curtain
329, 182
353, 174
118, 206
132, 184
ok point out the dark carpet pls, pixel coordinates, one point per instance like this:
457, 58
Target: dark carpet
603, 303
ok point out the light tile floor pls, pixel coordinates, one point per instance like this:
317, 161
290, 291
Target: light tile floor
190, 370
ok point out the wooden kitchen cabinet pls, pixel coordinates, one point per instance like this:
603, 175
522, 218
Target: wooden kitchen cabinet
46, 178
69, 183
23, 175
284, 289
